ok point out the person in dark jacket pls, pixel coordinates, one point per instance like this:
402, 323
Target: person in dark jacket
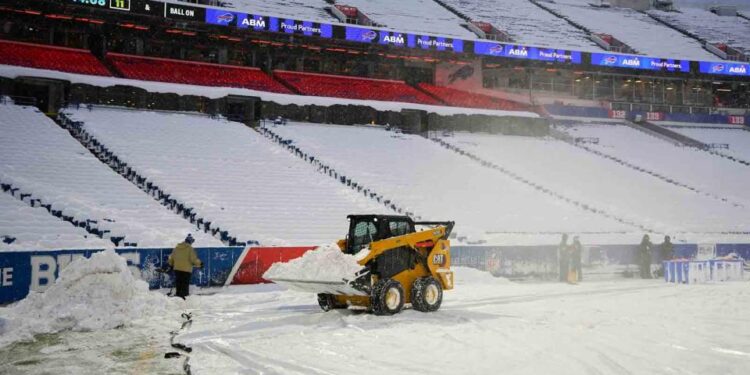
667, 249
644, 257
667, 252
563, 258
575, 254
182, 260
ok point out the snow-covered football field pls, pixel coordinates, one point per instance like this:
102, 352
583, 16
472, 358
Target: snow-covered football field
486, 326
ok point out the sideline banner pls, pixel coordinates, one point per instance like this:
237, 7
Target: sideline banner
257, 260
25, 271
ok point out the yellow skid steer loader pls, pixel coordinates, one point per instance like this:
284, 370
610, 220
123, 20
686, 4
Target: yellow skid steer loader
400, 266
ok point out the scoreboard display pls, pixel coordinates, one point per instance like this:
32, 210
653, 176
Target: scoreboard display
110, 4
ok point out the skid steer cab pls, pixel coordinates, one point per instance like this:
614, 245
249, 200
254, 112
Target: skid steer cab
405, 262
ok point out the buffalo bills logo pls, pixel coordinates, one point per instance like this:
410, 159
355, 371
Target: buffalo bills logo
496, 50
225, 18
609, 60
369, 35
718, 68
464, 73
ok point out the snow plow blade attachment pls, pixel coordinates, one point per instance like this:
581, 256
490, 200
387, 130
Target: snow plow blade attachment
321, 287
357, 287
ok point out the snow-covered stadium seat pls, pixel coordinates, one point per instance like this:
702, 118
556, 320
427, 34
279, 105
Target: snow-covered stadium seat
526, 23
49, 57
230, 174
736, 140
43, 160
692, 166
636, 29
467, 99
605, 183
438, 184
194, 73
414, 16
23, 227
353, 87
734, 31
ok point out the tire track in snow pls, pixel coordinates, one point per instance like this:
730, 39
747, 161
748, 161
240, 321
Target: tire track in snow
253, 362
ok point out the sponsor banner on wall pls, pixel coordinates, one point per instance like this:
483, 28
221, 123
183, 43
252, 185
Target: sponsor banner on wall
25, 271
639, 62
254, 22
725, 68
257, 260
416, 41
524, 52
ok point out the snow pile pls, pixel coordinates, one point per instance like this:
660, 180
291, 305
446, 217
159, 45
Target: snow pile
90, 294
326, 263
473, 276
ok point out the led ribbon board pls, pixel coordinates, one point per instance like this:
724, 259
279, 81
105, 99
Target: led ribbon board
725, 68
263, 23
416, 41
639, 62
528, 53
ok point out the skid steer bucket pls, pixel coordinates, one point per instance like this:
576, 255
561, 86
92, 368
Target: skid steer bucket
357, 287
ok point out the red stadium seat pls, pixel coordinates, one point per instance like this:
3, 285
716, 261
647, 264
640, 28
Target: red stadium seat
193, 73
460, 98
52, 58
353, 87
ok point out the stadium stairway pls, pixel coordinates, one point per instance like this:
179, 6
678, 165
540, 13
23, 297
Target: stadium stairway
581, 143
326, 169
90, 226
543, 189
675, 137
122, 168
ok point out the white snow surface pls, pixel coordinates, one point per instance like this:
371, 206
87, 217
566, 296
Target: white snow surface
738, 140
220, 92
413, 16
638, 30
526, 23
35, 228
422, 177
710, 173
44, 160
609, 185
233, 176
483, 327
734, 31
325, 263
91, 294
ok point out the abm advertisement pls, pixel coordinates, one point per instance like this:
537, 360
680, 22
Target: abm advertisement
524, 52
639, 62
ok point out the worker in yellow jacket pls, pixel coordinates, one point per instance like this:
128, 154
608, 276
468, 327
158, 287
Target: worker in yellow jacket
182, 260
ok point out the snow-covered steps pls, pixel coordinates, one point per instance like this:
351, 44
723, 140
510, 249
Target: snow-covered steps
231, 175
526, 23
635, 29
691, 166
425, 178
616, 189
118, 166
731, 142
23, 227
43, 160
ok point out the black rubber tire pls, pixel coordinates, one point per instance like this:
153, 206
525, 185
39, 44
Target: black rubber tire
328, 302
379, 295
419, 294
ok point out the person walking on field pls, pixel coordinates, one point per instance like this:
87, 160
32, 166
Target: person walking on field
667, 253
182, 260
644, 257
575, 254
562, 256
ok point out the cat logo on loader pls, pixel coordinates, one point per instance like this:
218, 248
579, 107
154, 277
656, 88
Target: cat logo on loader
400, 266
